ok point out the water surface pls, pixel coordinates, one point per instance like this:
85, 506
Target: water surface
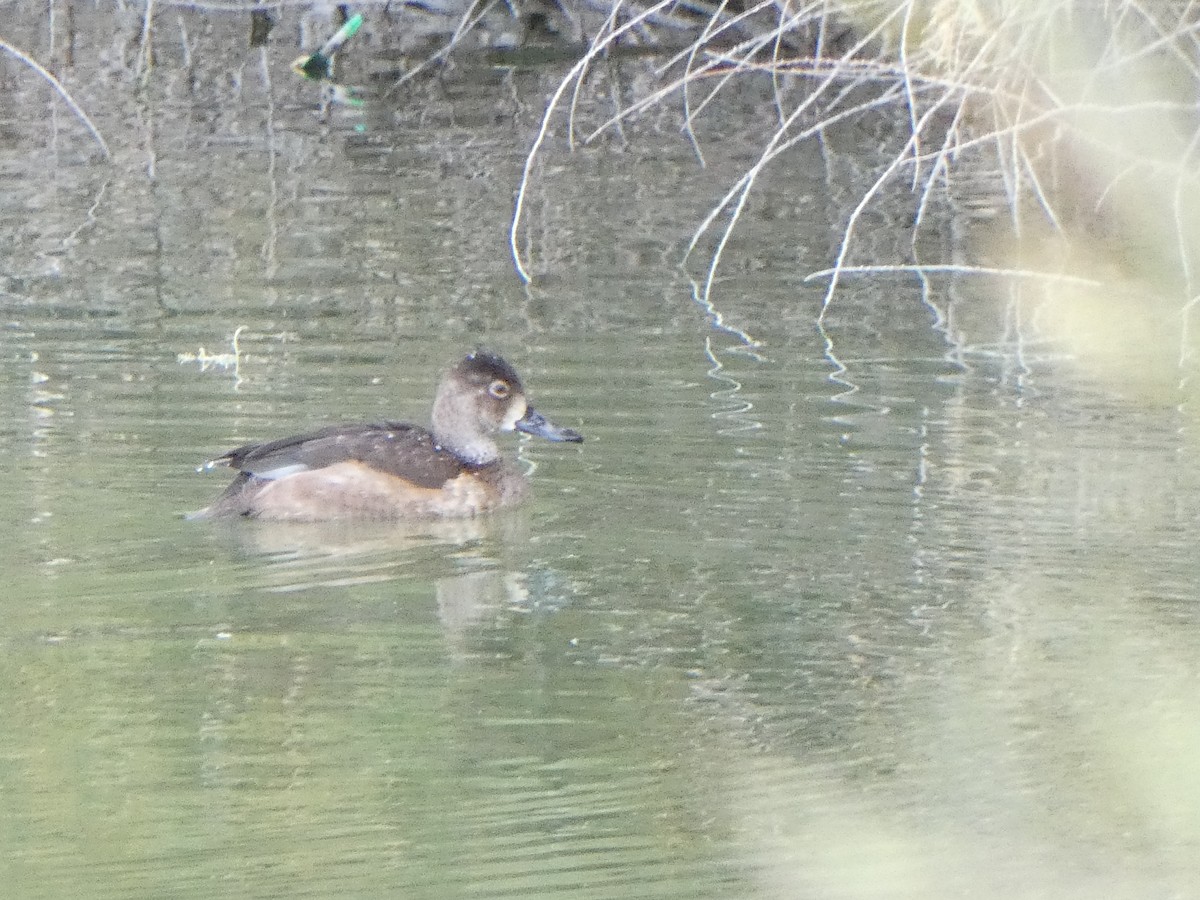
857, 611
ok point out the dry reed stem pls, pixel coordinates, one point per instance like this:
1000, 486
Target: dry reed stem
466, 23
595, 49
1023, 81
62, 92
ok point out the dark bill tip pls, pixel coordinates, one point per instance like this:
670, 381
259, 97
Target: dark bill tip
533, 422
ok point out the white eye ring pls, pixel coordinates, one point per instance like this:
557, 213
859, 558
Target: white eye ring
499, 389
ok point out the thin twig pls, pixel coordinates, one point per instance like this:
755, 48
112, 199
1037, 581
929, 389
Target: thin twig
62, 92
596, 48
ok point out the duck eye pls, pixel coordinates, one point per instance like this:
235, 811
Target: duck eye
499, 389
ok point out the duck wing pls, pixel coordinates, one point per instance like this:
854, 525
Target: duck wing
397, 448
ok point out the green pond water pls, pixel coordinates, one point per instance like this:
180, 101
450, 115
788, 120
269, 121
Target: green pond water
846, 612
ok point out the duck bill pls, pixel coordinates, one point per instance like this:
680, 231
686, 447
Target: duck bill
533, 422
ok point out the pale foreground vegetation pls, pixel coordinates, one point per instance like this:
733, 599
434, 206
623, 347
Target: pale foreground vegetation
1084, 113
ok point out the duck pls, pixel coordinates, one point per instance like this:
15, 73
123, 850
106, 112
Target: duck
395, 470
